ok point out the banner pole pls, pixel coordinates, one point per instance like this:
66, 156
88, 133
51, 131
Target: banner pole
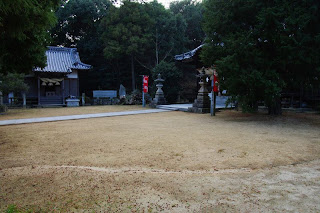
143, 101
212, 101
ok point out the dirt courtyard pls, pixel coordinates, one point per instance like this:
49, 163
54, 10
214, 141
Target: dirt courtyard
169, 161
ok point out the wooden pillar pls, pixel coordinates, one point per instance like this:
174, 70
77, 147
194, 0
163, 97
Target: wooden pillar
63, 92
78, 87
39, 99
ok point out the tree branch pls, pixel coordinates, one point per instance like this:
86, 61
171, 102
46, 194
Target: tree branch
148, 68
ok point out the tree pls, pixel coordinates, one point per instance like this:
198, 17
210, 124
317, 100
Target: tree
126, 32
167, 36
24, 26
78, 26
147, 34
78, 21
191, 11
260, 46
13, 82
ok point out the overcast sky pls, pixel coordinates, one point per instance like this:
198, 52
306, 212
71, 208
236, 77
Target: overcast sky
166, 3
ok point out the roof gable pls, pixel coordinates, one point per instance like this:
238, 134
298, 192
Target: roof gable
188, 55
62, 60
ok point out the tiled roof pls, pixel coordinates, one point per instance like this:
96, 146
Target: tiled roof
187, 55
62, 59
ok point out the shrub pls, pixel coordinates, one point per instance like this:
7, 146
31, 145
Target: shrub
3, 108
135, 98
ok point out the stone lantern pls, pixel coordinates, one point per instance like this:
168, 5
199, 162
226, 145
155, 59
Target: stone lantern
159, 97
202, 103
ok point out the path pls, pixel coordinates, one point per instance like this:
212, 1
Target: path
161, 108
76, 117
220, 104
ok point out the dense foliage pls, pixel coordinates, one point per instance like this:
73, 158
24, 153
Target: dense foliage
140, 37
192, 12
78, 26
24, 26
13, 82
262, 48
126, 32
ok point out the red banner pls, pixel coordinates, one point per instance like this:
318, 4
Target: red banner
215, 83
145, 83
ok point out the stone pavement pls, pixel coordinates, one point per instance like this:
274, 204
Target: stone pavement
76, 117
220, 104
160, 108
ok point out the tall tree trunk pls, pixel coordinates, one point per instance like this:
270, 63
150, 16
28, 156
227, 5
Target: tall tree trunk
117, 69
132, 73
157, 51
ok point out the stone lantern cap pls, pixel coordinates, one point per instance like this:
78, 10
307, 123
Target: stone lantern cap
159, 79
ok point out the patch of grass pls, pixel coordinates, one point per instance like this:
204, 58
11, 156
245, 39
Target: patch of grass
12, 209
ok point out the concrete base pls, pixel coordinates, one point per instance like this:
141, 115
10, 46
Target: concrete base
72, 102
199, 110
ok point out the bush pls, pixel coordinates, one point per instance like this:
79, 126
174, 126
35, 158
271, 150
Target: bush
3, 108
135, 98
87, 100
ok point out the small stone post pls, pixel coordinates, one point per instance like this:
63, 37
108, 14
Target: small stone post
83, 99
24, 104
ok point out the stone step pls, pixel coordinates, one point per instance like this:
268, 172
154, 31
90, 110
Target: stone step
167, 108
50, 101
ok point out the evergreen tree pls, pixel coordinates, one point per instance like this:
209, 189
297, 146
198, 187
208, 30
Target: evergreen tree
78, 26
192, 13
24, 26
126, 32
260, 47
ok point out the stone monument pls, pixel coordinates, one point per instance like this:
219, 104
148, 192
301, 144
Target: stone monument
202, 103
122, 91
83, 99
159, 97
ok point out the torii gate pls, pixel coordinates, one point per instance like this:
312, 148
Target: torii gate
202, 103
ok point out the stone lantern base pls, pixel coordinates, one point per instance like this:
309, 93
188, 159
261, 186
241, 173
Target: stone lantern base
202, 103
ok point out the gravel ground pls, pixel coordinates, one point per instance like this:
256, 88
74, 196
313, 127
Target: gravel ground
171, 162
61, 111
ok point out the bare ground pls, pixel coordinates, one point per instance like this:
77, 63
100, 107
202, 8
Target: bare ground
171, 162
61, 111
